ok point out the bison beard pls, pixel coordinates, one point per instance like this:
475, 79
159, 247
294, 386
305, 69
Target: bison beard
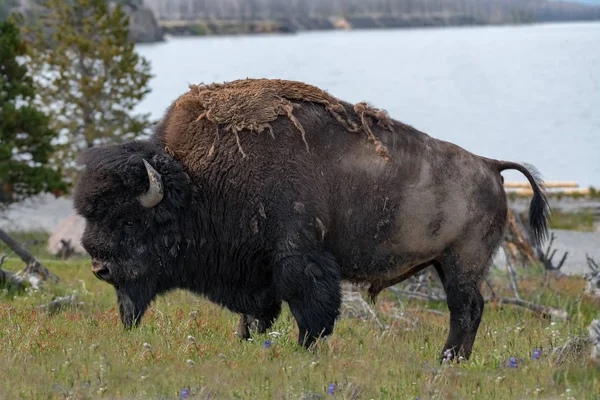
259, 192
132, 306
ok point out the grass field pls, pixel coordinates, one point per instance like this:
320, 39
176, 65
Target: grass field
186, 347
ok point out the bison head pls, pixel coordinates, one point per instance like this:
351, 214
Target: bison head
136, 200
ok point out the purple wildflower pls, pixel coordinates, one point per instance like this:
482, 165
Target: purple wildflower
537, 354
185, 392
513, 362
267, 344
331, 388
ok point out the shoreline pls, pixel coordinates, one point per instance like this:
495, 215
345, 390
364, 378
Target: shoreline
292, 26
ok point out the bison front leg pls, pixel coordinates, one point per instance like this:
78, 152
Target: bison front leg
264, 321
310, 284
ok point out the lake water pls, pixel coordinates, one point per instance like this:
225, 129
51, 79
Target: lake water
520, 93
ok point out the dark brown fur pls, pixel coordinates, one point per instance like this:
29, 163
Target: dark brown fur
280, 221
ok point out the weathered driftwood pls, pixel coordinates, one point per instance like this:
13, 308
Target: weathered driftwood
513, 277
546, 257
544, 311
592, 277
9, 279
517, 244
576, 348
353, 304
520, 250
594, 331
61, 302
33, 266
66, 250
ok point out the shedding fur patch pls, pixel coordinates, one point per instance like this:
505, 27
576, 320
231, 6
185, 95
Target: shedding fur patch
253, 103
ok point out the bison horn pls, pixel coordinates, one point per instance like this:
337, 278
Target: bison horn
155, 192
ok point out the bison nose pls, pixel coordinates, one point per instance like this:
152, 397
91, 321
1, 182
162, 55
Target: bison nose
101, 271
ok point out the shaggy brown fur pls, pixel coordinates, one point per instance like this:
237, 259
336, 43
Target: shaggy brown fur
253, 103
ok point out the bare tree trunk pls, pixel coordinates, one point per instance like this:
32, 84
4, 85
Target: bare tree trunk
33, 265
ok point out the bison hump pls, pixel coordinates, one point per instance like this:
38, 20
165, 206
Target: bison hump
252, 104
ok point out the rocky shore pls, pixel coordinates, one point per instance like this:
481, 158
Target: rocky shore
300, 24
143, 26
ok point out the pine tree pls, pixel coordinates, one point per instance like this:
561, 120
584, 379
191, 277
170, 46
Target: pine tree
25, 136
93, 77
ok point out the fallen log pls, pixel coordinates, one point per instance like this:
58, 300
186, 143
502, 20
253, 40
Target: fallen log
33, 266
10, 279
543, 311
61, 302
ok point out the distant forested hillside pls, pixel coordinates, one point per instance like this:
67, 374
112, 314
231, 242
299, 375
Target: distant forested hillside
484, 10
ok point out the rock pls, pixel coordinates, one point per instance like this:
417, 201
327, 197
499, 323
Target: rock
594, 330
66, 240
143, 27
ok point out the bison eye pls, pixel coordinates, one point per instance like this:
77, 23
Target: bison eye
128, 223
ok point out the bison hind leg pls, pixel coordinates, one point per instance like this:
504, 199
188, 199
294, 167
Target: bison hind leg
461, 278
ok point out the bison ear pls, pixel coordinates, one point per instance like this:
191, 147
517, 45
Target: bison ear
155, 192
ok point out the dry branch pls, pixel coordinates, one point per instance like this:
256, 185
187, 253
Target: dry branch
520, 250
594, 331
61, 302
355, 304
546, 257
517, 243
513, 277
544, 311
592, 277
33, 266
10, 279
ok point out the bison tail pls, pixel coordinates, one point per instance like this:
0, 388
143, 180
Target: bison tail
539, 209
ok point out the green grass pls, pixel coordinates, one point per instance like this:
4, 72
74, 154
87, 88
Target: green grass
82, 352
582, 221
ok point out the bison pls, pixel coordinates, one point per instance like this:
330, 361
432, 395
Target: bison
259, 191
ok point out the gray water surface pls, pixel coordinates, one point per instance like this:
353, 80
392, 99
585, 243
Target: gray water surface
520, 93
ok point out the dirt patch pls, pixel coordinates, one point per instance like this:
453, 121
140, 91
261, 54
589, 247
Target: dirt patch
253, 104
